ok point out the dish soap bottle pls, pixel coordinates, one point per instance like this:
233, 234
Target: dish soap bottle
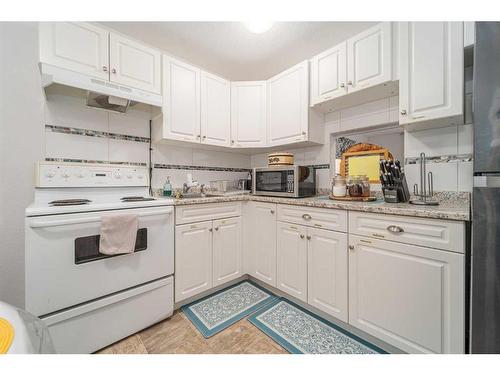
167, 188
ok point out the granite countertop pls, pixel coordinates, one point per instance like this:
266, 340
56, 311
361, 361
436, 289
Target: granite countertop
453, 206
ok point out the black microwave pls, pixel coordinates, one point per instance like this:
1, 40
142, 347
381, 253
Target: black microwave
292, 181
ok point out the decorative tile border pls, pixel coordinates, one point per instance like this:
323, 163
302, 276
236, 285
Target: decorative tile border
63, 160
200, 168
441, 159
319, 166
95, 133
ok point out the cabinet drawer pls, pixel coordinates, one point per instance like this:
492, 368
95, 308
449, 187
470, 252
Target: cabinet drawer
207, 211
325, 218
438, 234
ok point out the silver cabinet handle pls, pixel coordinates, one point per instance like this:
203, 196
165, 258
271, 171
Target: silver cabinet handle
306, 217
308, 237
302, 236
198, 136
204, 137
342, 85
113, 71
272, 212
403, 112
210, 230
395, 229
216, 228
351, 247
232, 142
304, 133
349, 83
105, 68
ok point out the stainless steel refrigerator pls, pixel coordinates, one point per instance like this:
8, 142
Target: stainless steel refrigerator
485, 276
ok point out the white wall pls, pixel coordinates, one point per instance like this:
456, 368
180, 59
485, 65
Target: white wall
346, 121
21, 145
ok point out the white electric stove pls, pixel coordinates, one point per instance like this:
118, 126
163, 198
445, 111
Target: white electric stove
89, 300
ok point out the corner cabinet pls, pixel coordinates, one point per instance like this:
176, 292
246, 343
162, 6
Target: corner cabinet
101, 54
288, 106
215, 110
409, 296
248, 114
431, 92
227, 244
261, 241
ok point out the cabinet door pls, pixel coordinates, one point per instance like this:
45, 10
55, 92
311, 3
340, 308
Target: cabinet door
262, 239
248, 114
134, 64
215, 110
369, 57
431, 71
181, 101
193, 259
329, 74
288, 106
327, 272
292, 260
76, 46
409, 296
227, 250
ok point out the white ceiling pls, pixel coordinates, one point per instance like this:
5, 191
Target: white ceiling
230, 50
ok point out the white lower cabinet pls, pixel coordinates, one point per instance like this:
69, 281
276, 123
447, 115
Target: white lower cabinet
409, 296
226, 250
327, 266
292, 260
193, 259
262, 241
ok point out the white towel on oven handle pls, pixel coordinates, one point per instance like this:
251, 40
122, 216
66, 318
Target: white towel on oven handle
118, 233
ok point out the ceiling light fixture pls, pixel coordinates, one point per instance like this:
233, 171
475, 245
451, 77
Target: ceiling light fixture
258, 27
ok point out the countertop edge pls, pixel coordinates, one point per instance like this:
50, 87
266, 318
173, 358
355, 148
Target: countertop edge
383, 208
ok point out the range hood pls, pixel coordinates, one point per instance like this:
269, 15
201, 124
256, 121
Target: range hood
99, 93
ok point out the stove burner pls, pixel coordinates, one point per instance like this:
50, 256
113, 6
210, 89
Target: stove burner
69, 202
136, 199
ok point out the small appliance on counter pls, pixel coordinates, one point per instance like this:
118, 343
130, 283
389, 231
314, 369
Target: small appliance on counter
292, 181
393, 182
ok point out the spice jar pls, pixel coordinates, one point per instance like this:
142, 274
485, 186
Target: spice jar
365, 184
354, 186
339, 186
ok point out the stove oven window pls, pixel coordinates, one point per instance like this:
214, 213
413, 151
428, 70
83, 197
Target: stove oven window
87, 248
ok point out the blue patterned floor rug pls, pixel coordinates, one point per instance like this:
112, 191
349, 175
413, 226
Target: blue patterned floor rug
302, 332
214, 313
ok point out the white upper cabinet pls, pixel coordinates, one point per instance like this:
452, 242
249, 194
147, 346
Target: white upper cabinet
248, 114
369, 57
76, 46
288, 105
329, 74
133, 64
181, 101
215, 110
431, 73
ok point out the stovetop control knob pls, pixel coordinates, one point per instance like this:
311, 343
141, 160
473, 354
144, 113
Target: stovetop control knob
50, 174
129, 176
117, 175
65, 174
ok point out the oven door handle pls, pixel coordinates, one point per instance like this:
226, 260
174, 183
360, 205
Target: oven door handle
91, 219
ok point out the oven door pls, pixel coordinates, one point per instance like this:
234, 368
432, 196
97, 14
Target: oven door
64, 266
275, 182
